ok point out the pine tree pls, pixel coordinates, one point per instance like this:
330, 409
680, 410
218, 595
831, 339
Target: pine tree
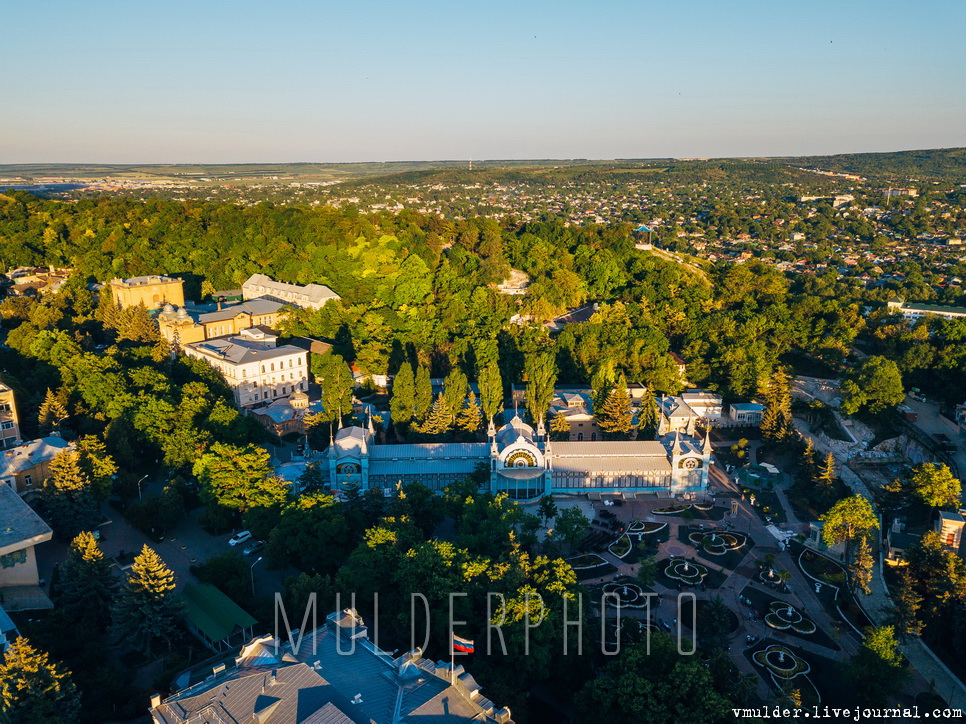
860, 567
51, 413
647, 414
560, 426
491, 389
439, 418
33, 690
808, 467
776, 421
137, 325
455, 389
67, 496
470, 417
825, 481
903, 614
87, 586
424, 394
403, 398
147, 613
602, 382
98, 465
615, 416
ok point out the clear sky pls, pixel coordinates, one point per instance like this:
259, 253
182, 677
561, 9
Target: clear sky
212, 81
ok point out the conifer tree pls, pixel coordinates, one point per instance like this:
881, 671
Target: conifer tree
647, 414
615, 416
808, 467
455, 389
860, 567
439, 418
146, 613
403, 399
470, 417
560, 426
776, 421
602, 382
87, 587
424, 394
33, 690
67, 496
826, 477
135, 324
541, 372
51, 413
491, 389
98, 465
903, 613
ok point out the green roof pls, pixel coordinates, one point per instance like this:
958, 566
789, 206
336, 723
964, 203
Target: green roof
212, 612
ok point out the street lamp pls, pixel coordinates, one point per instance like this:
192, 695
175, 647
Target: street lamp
139, 486
253, 574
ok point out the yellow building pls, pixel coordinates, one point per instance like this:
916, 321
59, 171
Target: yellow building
185, 326
24, 467
153, 292
9, 422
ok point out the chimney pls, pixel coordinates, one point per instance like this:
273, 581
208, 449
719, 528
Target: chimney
217, 669
155, 701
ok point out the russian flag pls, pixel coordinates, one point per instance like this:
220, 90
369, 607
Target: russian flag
461, 644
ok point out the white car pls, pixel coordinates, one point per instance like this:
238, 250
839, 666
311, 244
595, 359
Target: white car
240, 538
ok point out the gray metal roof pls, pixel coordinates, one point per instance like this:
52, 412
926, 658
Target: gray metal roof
20, 526
608, 448
623, 464
252, 306
238, 350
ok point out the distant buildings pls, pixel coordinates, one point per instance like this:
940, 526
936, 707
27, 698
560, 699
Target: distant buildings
186, 325
151, 291
311, 296
256, 369
35, 281
917, 311
336, 676
9, 421
287, 415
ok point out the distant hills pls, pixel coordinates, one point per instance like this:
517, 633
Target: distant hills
947, 164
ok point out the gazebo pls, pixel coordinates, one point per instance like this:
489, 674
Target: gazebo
215, 619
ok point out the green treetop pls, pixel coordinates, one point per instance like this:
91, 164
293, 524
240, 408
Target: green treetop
335, 378
68, 497
423, 395
439, 419
491, 389
403, 398
541, 372
878, 670
776, 421
934, 485
470, 417
615, 416
147, 611
87, 586
455, 389
238, 478
33, 690
51, 413
875, 386
847, 520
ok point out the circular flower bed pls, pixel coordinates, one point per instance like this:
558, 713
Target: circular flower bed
783, 616
717, 544
644, 527
671, 510
630, 594
685, 571
770, 577
620, 547
781, 662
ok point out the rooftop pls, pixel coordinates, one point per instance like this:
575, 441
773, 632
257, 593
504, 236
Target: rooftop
143, 281
216, 615
20, 526
29, 454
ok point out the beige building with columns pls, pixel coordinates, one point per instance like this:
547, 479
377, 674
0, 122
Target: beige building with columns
152, 291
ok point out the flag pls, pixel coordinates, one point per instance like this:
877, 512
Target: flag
461, 644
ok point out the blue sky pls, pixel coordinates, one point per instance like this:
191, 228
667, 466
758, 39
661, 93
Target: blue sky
212, 81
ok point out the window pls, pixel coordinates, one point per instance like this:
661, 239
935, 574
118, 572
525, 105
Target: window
291, 362
951, 539
4, 407
273, 366
580, 436
300, 361
244, 373
28, 480
6, 425
263, 369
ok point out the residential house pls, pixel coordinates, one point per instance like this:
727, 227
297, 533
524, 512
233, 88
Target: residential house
9, 421
20, 530
254, 366
25, 466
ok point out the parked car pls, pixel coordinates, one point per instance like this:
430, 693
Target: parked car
254, 548
240, 538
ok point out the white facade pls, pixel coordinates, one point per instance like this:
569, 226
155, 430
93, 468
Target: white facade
254, 367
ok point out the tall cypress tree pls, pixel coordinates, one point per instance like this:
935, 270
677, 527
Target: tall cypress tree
455, 390
541, 371
491, 389
403, 399
776, 420
424, 394
33, 690
87, 586
146, 613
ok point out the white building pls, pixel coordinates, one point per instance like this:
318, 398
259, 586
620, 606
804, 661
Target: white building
253, 366
746, 413
311, 296
917, 311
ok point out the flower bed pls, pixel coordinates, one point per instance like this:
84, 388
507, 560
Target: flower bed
588, 560
783, 616
715, 543
620, 547
630, 594
822, 569
645, 527
781, 662
685, 571
671, 510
